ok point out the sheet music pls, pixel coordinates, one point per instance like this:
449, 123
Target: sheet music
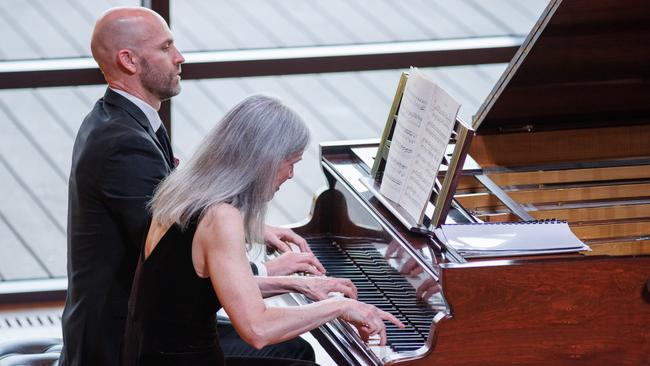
511, 238
424, 124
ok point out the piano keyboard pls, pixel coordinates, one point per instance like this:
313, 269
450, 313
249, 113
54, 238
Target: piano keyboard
380, 284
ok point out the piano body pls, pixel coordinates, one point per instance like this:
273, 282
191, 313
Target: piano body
565, 134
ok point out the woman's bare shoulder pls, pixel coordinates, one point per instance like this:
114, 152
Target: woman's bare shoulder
222, 211
221, 221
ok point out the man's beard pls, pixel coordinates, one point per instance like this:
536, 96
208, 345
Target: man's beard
159, 84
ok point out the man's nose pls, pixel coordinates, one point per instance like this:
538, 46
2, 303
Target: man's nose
179, 57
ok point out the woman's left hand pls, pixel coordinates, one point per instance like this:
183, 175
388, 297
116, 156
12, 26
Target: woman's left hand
278, 238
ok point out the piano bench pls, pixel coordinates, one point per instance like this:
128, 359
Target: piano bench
31, 352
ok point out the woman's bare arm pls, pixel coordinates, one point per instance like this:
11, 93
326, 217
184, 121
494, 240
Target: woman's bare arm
220, 241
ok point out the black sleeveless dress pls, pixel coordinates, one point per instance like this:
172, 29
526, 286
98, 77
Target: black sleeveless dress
172, 312
171, 318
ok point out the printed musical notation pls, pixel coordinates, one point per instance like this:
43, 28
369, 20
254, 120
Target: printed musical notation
424, 125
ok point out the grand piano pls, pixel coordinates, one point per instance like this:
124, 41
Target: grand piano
564, 134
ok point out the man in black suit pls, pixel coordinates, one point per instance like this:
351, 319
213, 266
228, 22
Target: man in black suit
117, 161
121, 153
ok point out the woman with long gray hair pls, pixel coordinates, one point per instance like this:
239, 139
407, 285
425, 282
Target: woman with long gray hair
194, 258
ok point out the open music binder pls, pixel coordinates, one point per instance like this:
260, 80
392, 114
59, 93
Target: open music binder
421, 125
495, 239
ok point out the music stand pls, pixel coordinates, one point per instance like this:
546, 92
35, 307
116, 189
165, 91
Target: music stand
443, 193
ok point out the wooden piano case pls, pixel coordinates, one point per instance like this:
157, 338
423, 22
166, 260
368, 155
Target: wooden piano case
565, 133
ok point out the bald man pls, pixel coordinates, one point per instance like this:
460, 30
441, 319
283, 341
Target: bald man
120, 154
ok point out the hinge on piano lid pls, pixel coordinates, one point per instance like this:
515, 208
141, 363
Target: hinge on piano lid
525, 128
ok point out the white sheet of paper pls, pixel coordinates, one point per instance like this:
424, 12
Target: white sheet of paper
514, 238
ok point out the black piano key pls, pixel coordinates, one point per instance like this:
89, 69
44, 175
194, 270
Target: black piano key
406, 348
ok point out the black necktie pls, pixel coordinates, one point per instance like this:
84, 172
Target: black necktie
163, 138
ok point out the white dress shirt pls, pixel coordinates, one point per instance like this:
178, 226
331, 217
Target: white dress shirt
149, 111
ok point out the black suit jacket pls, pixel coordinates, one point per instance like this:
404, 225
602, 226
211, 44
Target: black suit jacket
117, 162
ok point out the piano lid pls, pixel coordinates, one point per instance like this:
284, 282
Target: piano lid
585, 63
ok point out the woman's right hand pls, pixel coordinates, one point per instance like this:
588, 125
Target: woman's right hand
368, 319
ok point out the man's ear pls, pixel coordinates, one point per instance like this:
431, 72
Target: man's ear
127, 60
